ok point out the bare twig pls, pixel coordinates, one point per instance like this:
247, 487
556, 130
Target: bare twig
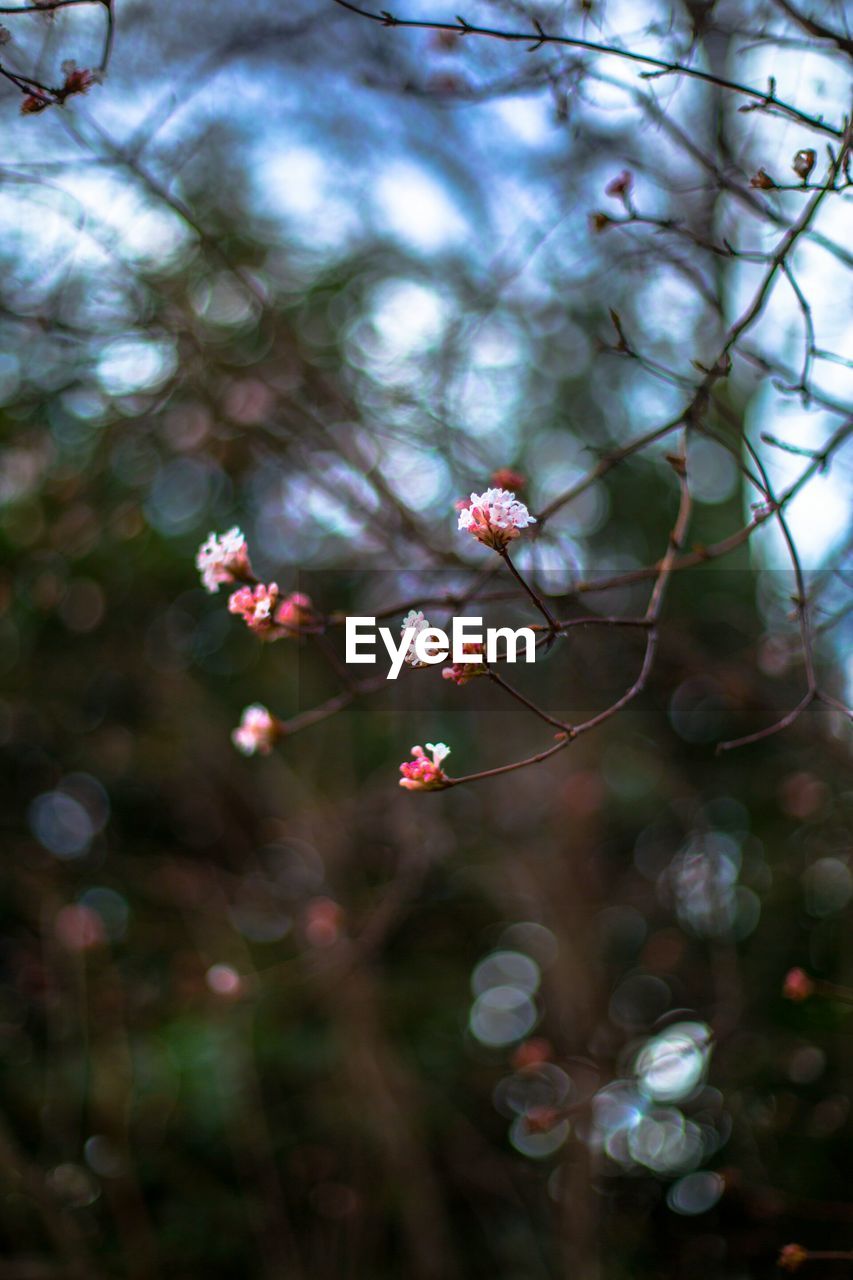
764, 100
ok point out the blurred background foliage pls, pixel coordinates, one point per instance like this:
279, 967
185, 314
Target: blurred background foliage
274, 1017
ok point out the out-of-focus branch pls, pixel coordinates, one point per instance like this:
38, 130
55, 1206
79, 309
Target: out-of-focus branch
653, 611
813, 692
39, 95
815, 28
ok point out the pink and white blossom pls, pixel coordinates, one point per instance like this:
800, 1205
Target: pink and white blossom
223, 559
256, 606
495, 517
422, 773
420, 623
268, 615
257, 731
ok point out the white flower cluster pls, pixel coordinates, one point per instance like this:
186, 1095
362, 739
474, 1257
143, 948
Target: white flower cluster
222, 559
420, 623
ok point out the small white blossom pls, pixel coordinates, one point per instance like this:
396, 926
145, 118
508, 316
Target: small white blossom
495, 517
256, 732
420, 623
440, 752
223, 559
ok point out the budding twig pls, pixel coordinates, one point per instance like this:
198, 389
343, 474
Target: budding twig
762, 100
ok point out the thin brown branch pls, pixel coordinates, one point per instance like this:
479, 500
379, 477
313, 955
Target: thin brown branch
607, 463
534, 595
511, 768
525, 702
653, 611
765, 100
813, 693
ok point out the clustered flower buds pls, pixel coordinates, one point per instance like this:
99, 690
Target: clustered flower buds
257, 732
256, 606
461, 672
77, 80
495, 517
798, 986
269, 618
223, 559
422, 773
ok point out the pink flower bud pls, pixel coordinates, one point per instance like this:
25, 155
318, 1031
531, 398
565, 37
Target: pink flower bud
295, 613
422, 774
461, 672
256, 606
323, 922
798, 986
792, 1257
506, 478
79, 928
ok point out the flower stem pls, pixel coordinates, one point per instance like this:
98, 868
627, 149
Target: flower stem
537, 600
